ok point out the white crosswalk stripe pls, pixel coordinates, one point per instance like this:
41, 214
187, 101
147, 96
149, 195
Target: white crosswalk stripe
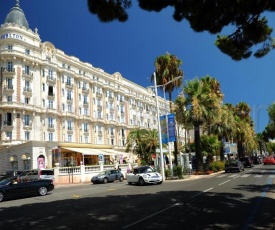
258, 175
245, 175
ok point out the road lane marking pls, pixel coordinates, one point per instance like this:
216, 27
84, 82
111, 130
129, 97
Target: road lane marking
236, 177
221, 176
253, 213
154, 214
245, 175
224, 182
202, 192
258, 175
232, 176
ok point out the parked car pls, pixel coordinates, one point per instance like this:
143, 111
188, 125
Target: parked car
247, 161
108, 176
269, 160
144, 175
11, 188
257, 160
46, 174
233, 165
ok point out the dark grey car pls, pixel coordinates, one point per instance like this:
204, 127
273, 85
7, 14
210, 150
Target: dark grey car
107, 176
233, 165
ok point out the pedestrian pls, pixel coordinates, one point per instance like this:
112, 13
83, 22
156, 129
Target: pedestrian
118, 168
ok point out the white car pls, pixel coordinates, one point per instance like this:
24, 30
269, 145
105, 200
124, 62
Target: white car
144, 175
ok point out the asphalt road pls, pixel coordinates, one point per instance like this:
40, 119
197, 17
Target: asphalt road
242, 201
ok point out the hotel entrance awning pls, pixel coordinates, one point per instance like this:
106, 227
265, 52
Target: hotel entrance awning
90, 151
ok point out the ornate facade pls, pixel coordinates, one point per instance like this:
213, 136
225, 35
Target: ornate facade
49, 98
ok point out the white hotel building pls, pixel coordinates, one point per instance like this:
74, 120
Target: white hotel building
55, 108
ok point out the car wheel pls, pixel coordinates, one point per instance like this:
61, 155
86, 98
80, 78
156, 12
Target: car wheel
141, 181
239, 169
1, 196
160, 182
129, 183
121, 179
42, 191
105, 180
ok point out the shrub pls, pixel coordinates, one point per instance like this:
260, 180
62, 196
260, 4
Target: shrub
167, 173
177, 171
216, 166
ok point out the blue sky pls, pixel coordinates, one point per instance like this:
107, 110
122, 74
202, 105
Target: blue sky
131, 48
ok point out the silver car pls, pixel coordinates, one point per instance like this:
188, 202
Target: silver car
107, 176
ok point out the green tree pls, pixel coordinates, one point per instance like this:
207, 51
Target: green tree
269, 132
210, 145
168, 68
244, 133
245, 18
202, 106
142, 142
225, 127
182, 118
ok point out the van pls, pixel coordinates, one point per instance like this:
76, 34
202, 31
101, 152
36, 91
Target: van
46, 174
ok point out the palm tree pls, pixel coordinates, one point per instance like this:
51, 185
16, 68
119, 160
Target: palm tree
142, 142
225, 129
182, 117
244, 129
203, 105
168, 68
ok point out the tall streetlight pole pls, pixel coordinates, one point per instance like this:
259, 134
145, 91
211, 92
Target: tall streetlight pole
159, 129
166, 111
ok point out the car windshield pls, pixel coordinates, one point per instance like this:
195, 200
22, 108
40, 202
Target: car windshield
5, 181
103, 173
24, 173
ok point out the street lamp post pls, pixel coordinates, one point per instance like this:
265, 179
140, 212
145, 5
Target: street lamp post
166, 118
159, 130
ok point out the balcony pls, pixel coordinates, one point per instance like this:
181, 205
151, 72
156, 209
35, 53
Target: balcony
69, 85
85, 104
100, 133
69, 100
111, 98
86, 131
99, 95
27, 126
27, 91
9, 72
51, 128
99, 107
51, 79
70, 130
8, 89
85, 90
27, 75
7, 125
51, 96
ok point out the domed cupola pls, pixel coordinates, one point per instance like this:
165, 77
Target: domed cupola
17, 16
